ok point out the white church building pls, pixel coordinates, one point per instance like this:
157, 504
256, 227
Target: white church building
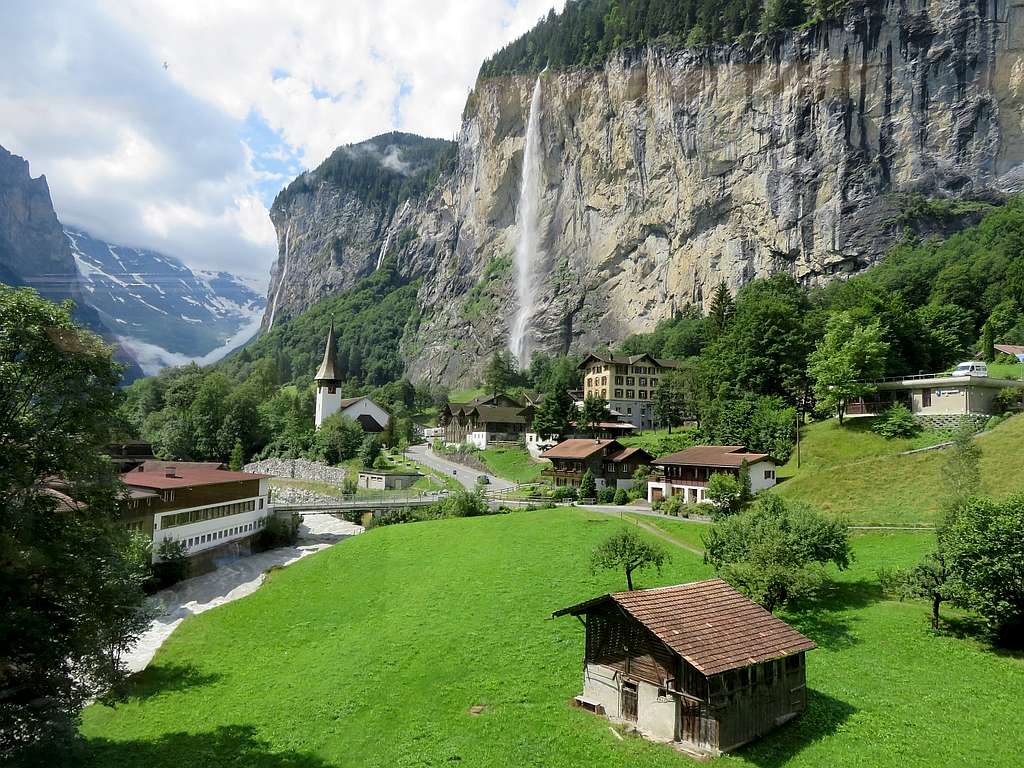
329, 401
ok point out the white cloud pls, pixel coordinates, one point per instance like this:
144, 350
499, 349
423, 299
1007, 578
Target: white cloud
184, 159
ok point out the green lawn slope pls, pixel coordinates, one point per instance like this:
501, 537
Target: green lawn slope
851, 471
373, 653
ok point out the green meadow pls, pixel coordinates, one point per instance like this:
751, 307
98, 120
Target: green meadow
375, 652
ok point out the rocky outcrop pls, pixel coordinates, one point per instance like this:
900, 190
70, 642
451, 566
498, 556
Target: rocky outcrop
35, 253
670, 171
299, 469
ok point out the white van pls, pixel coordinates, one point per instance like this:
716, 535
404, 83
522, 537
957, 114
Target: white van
971, 369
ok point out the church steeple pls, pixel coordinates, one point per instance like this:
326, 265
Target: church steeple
329, 367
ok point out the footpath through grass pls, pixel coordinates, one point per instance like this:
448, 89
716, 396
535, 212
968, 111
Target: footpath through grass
373, 652
850, 471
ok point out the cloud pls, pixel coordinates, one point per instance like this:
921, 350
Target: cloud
186, 159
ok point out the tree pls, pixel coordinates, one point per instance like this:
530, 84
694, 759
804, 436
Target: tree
554, 414
670, 400
984, 549
500, 373
721, 310
70, 577
588, 486
962, 470
628, 551
988, 342
237, 457
927, 579
775, 552
845, 361
725, 492
370, 451
594, 412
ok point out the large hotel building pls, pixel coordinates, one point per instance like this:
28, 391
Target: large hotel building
627, 383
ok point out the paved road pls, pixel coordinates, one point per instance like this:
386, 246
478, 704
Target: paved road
424, 455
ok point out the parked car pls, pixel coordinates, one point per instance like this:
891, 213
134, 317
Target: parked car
482, 480
971, 368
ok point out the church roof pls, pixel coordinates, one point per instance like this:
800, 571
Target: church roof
329, 367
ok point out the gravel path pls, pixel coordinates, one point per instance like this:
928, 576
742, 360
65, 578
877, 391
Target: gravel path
231, 581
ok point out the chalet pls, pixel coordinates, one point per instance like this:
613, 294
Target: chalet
697, 664
607, 430
686, 473
201, 505
611, 463
936, 397
628, 383
486, 421
329, 401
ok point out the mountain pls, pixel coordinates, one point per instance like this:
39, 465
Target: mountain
336, 217
593, 199
161, 310
34, 252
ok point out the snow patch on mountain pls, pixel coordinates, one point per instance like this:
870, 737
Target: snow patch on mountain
167, 313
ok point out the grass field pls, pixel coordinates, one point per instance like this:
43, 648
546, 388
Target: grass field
659, 442
512, 464
685, 531
876, 488
372, 653
464, 395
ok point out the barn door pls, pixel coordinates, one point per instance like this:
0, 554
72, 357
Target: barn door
629, 701
689, 721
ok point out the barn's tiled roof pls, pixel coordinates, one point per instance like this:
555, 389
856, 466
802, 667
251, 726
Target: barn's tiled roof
185, 477
708, 623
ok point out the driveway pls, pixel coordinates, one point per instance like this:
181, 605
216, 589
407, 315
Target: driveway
465, 475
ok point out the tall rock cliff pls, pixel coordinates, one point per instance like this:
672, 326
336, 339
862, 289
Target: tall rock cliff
668, 171
35, 253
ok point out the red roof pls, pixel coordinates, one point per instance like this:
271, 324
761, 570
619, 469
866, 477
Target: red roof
634, 450
578, 448
712, 456
186, 477
708, 623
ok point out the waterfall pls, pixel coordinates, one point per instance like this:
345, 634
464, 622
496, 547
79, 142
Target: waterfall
383, 250
526, 221
280, 282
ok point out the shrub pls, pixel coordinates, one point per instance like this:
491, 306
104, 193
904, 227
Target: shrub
725, 492
606, 495
172, 566
620, 496
564, 493
672, 505
588, 486
461, 503
1008, 400
897, 421
354, 516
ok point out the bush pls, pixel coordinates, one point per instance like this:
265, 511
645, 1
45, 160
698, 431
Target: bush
588, 486
172, 566
671, 506
354, 516
564, 493
1008, 400
994, 422
606, 495
461, 503
279, 532
620, 496
897, 421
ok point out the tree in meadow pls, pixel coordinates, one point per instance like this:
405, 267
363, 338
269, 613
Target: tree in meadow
626, 550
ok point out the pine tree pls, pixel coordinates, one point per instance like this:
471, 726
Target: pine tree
722, 309
237, 460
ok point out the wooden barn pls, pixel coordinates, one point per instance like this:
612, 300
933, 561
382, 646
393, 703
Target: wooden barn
698, 664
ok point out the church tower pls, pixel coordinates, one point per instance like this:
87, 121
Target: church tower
328, 395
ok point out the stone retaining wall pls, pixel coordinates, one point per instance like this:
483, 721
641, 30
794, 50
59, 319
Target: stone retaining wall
299, 469
953, 421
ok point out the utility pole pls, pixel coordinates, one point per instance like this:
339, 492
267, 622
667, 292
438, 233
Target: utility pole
798, 439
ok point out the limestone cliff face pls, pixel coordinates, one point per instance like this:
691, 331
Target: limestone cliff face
668, 172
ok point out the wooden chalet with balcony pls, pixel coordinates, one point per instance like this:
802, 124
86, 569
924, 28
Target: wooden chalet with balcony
611, 463
486, 421
686, 473
696, 664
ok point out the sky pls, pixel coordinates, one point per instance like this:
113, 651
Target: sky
172, 124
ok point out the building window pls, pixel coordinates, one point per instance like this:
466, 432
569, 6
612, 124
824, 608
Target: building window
769, 474
926, 398
642, 382
629, 394
629, 411
618, 380
618, 392
629, 381
642, 394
